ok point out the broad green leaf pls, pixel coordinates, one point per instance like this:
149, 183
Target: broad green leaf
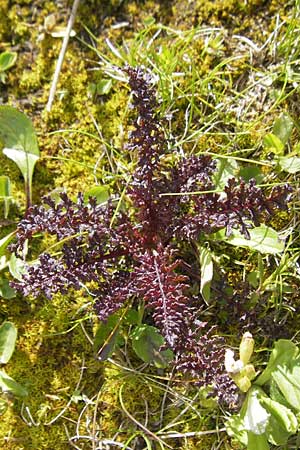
284, 416
20, 142
273, 144
289, 164
8, 336
8, 384
5, 241
7, 59
257, 442
284, 351
275, 393
283, 127
146, 342
227, 168
287, 378
263, 239
207, 270
275, 433
101, 193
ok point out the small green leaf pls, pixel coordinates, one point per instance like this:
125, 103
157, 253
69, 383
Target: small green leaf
149, 21
284, 351
8, 384
283, 127
8, 336
227, 168
16, 267
7, 59
289, 164
5, 241
248, 173
263, 239
5, 290
235, 428
207, 269
253, 278
146, 342
20, 143
107, 337
132, 317
104, 86
101, 193
273, 144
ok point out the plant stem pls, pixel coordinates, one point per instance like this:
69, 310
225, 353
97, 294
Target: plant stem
62, 55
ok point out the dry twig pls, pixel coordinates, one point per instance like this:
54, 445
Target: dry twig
62, 55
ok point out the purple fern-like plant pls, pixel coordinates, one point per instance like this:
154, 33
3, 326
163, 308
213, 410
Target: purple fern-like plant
138, 254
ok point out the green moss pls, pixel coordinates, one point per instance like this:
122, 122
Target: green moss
48, 362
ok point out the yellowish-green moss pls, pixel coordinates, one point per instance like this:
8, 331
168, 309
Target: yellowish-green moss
48, 362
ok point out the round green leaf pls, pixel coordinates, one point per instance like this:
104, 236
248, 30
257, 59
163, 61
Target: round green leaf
146, 342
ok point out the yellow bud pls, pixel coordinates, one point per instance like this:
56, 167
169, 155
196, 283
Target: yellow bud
246, 348
243, 383
248, 371
50, 22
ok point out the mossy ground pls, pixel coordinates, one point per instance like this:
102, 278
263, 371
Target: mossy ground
82, 144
